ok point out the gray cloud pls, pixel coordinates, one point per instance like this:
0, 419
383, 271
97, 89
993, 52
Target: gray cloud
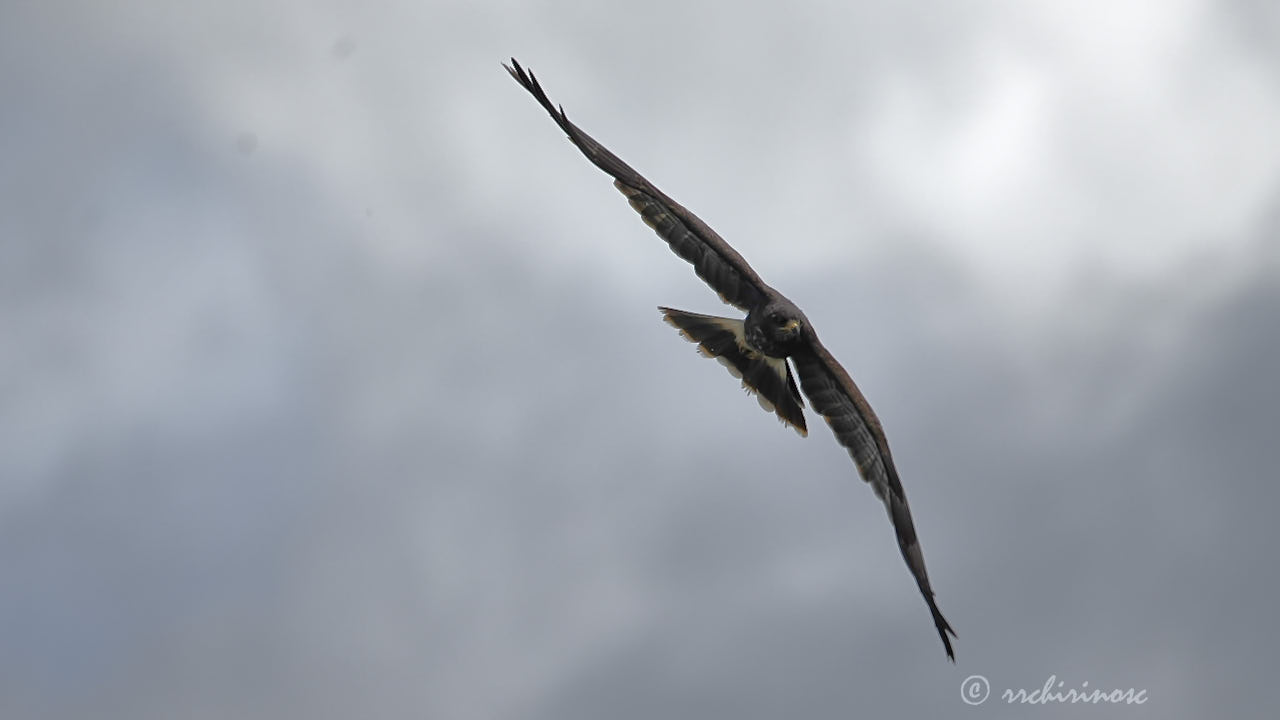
377, 417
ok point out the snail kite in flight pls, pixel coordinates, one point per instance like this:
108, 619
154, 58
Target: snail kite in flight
757, 348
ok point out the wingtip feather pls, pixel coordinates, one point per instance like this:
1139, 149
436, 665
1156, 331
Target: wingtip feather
943, 627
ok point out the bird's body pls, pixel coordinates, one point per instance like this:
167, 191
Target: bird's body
762, 348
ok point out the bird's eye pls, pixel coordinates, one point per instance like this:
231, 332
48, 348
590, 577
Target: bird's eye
776, 318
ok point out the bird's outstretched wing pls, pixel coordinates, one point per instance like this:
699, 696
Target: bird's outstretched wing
718, 264
833, 394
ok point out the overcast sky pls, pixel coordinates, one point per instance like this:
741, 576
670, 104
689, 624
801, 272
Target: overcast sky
332, 384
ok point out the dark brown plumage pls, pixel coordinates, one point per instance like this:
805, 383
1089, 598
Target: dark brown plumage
757, 348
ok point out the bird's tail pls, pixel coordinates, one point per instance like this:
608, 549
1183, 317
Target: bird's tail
725, 340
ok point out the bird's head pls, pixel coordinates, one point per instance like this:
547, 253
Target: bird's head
777, 328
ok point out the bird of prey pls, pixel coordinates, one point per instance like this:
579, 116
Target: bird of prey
757, 348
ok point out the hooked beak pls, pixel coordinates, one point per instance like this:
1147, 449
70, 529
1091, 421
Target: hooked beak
791, 326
